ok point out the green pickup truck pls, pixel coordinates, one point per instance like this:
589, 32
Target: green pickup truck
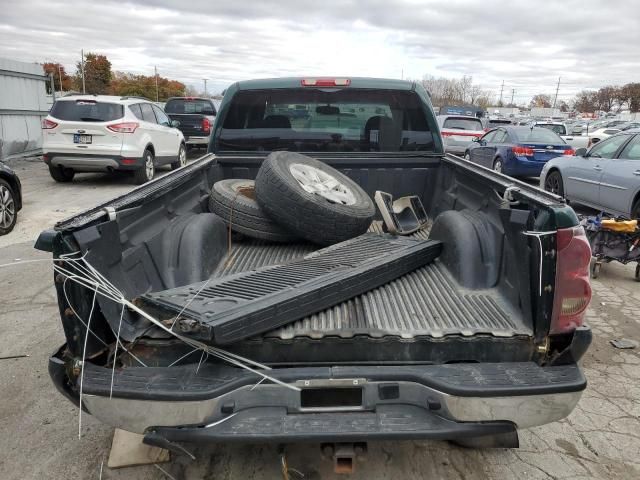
479, 343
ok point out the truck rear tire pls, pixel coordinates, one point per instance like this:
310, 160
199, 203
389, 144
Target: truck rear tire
311, 199
234, 201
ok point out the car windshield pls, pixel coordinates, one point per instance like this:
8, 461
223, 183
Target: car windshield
316, 120
559, 129
86, 111
189, 106
462, 124
537, 135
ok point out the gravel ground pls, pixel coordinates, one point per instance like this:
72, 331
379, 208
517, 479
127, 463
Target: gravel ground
601, 439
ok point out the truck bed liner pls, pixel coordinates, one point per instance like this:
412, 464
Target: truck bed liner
235, 307
427, 301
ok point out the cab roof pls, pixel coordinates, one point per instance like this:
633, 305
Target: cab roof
355, 82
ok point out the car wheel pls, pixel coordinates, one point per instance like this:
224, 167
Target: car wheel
553, 183
148, 170
311, 199
61, 174
8, 213
635, 211
182, 158
497, 165
467, 156
235, 202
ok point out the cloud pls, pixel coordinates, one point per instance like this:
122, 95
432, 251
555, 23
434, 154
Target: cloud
528, 45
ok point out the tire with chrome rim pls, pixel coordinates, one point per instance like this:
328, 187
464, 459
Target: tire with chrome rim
498, 165
553, 183
311, 199
182, 158
8, 212
148, 170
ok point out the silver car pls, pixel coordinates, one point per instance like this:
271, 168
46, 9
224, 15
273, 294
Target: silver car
606, 177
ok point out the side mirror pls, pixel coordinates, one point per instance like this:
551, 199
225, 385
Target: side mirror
175, 123
580, 152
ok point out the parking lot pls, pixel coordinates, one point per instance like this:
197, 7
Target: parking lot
601, 438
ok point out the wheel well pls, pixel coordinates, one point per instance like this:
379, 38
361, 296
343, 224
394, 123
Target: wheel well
150, 147
636, 200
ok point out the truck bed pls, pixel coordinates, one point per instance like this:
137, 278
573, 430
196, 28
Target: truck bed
426, 302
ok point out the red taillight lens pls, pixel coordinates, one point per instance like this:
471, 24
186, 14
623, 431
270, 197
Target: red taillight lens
126, 127
206, 125
569, 152
573, 290
447, 134
326, 82
523, 151
48, 124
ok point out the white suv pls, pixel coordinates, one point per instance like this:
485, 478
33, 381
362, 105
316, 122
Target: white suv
102, 133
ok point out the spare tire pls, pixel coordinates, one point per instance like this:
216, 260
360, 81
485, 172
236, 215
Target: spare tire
234, 201
311, 199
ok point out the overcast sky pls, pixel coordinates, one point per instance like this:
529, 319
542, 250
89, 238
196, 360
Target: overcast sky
528, 44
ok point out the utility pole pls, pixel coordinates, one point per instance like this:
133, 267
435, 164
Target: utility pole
557, 89
82, 69
513, 92
501, 89
155, 69
205, 86
60, 76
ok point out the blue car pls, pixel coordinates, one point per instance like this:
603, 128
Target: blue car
517, 151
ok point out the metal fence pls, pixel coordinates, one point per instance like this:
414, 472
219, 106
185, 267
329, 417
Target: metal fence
23, 104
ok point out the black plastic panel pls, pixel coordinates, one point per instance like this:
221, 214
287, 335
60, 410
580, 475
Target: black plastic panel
271, 424
250, 303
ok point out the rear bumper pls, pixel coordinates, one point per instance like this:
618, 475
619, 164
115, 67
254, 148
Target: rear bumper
521, 166
223, 403
197, 140
86, 162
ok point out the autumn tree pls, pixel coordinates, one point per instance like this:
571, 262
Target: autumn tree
540, 100
629, 95
124, 83
606, 98
63, 82
97, 74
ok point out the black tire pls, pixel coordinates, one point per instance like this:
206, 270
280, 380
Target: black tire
595, 269
635, 211
467, 156
637, 277
234, 202
182, 158
498, 165
310, 215
61, 174
148, 170
553, 183
8, 208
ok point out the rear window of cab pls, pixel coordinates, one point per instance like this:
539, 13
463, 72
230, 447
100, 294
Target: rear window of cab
86, 111
332, 120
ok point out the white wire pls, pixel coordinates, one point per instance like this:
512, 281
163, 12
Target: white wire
538, 235
115, 353
84, 356
94, 280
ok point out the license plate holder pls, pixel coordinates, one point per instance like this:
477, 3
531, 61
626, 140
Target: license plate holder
82, 138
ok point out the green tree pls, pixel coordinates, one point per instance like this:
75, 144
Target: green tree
97, 74
124, 83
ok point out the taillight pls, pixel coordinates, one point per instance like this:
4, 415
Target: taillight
523, 151
326, 82
447, 134
206, 125
569, 152
126, 127
573, 290
48, 124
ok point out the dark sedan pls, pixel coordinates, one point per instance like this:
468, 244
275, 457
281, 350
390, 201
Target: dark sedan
10, 198
517, 151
